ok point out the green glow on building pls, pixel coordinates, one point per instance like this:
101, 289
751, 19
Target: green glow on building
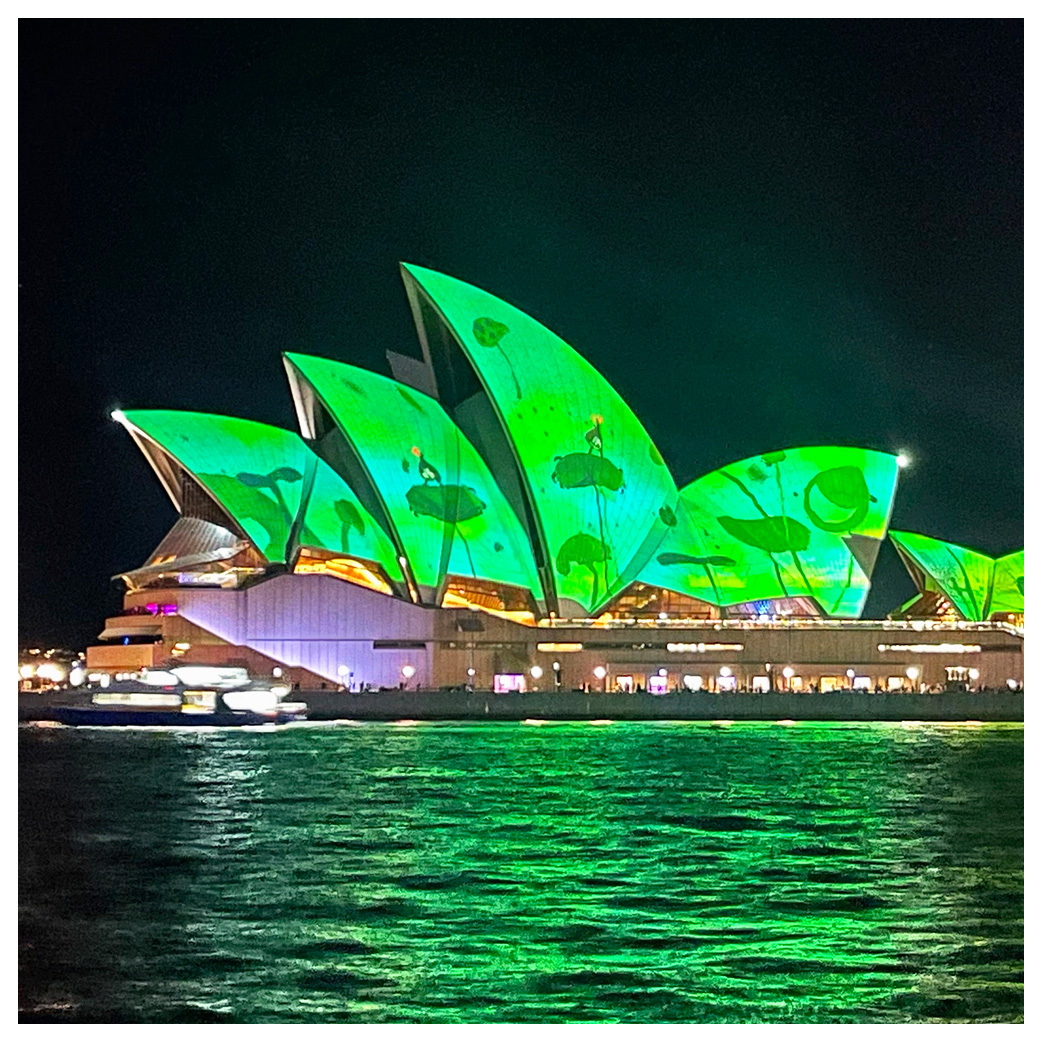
258, 474
976, 585
600, 492
449, 513
804, 522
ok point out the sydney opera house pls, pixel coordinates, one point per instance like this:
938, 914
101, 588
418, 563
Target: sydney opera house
496, 516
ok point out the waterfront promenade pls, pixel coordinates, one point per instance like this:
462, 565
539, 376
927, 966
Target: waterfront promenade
576, 705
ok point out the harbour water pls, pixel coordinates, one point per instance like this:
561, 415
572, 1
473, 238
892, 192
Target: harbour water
624, 872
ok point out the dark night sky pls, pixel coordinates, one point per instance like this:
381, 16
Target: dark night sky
763, 234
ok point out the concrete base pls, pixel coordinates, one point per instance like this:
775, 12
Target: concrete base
1000, 705
395, 705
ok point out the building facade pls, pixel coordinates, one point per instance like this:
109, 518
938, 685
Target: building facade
496, 509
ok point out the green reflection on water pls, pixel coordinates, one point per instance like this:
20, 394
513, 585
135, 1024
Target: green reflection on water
466, 872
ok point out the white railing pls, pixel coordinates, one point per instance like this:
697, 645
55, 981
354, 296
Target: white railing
696, 623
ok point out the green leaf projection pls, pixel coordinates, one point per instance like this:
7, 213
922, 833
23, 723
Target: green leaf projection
976, 585
803, 522
257, 473
449, 513
598, 487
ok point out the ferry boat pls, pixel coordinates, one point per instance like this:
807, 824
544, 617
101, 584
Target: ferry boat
181, 696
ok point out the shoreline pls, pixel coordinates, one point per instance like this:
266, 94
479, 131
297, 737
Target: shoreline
420, 705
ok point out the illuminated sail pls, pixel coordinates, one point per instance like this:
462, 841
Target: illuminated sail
597, 491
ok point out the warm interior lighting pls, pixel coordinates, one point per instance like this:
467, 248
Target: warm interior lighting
349, 569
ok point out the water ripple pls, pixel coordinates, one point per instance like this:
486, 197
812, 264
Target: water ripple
466, 872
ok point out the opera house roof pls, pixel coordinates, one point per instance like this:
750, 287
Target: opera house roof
501, 463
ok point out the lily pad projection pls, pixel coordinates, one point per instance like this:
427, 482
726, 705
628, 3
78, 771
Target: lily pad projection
706, 562
669, 558
844, 488
773, 535
446, 503
488, 332
271, 482
667, 516
586, 469
254, 505
587, 551
351, 519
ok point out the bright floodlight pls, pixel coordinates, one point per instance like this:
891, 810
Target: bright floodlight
599, 671
912, 672
536, 670
903, 460
408, 671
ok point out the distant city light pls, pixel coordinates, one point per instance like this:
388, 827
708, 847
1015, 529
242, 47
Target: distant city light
912, 672
788, 672
973, 673
408, 671
599, 672
662, 672
536, 670
726, 672
51, 672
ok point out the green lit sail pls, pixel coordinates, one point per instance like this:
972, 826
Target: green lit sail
334, 520
597, 485
258, 474
976, 585
1009, 584
803, 522
449, 513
